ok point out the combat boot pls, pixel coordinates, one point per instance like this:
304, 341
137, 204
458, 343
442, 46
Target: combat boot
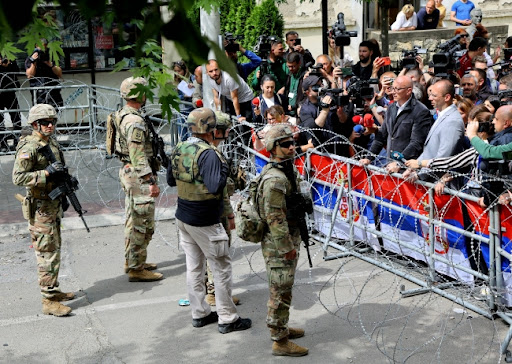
295, 333
285, 347
210, 299
55, 308
148, 266
143, 276
62, 296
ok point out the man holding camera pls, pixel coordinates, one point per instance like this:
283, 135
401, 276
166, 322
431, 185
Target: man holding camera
42, 72
318, 113
406, 125
275, 66
232, 47
294, 45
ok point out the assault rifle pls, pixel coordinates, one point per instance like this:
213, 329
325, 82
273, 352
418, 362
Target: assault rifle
299, 206
66, 186
158, 146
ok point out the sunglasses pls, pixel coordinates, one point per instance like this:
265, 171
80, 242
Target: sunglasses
286, 144
46, 122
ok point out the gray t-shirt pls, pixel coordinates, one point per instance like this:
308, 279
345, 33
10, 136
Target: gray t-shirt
228, 84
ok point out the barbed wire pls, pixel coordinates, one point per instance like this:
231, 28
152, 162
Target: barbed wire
354, 293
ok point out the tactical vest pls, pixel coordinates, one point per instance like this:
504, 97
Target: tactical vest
185, 169
122, 139
40, 163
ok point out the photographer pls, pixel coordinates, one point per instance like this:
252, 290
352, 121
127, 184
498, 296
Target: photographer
293, 86
275, 64
326, 123
365, 68
41, 72
8, 100
232, 47
293, 42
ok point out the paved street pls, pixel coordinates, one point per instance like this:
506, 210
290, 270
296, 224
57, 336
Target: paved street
352, 311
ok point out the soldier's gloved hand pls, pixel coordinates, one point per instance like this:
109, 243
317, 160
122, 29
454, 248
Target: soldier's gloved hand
54, 168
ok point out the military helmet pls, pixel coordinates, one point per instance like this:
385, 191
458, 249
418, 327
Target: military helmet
201, 121
276, 133
41, 111
223, 120
129, 84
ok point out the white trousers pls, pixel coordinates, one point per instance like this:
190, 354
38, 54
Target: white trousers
211, 242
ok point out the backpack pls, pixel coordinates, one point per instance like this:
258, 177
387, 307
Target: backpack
249, 224
110, 141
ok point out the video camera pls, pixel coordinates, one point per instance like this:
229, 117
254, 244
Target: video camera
447, 59
409, 57
315, 70
339, 32
507, 95
232, 46
264, 45
360, 90
336, 94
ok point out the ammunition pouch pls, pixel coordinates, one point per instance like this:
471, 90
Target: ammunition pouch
28, 208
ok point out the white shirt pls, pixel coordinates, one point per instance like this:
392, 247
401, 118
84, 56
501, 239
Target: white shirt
228, 84
402, 22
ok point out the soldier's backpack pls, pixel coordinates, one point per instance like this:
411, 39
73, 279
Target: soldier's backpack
249, 224
110, 142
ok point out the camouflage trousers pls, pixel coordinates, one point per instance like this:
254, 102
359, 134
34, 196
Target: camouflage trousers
46, 239
280, 282
140, 217
210, 285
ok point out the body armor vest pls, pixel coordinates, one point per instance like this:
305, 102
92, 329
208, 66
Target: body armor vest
185, 169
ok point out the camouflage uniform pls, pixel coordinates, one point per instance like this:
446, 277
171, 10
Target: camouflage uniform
282, 237
133, 145
44, 222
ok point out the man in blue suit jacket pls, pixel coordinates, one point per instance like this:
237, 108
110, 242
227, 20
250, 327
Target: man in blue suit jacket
446, 136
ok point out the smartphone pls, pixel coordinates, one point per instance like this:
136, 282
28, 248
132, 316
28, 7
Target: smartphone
346, 71
297, 41
387, 61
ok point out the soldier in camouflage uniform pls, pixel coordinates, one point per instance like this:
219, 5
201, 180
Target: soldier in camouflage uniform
138, 177
227, 219
39, 176
281, 243
200, 172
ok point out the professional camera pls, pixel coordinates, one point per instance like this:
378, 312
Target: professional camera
360, 90
264, 45
232, 46
43, 56
339, 32
315, 70
505, 97
338, 99
409, 57
447, 59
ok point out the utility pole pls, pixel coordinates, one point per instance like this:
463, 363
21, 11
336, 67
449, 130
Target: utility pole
210, 28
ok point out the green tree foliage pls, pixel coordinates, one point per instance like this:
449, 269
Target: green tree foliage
264, 19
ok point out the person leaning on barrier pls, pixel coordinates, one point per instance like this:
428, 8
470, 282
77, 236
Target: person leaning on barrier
41, 72
500, 168
405, 128
281, 243
224, 125
200, 172
44, 215
138, 177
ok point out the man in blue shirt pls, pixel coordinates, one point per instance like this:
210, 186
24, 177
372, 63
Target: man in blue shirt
244, 69
460, 13
428, 17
